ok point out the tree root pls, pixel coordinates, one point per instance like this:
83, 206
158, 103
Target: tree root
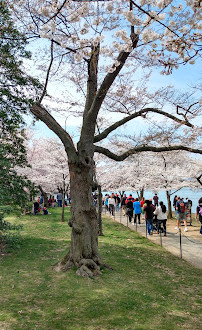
85, 268
88, 268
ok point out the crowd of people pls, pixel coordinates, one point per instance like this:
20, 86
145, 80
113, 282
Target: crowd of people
153, 211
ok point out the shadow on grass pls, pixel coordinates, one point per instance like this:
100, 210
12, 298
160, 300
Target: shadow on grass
145, 278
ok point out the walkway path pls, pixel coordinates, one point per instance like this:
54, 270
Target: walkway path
191, 240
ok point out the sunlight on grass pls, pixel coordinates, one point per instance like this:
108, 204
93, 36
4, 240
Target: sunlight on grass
145, 278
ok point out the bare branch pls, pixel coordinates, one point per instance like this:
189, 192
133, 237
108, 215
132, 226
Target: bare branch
58, 11
121, 122
47, 75
143, 148
152, 17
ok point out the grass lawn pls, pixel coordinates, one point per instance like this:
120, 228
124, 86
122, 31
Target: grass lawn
148, 289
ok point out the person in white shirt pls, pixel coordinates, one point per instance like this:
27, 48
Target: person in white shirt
161, 217
111, 204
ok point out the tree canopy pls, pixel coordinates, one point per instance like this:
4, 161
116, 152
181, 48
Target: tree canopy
89, 55
14, 102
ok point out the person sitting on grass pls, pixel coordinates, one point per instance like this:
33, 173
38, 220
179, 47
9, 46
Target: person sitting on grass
45, 211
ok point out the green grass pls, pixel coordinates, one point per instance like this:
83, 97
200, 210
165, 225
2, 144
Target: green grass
148, 289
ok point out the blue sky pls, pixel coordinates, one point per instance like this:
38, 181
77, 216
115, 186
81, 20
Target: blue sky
182, 79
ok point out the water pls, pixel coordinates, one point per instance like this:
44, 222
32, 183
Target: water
193, 194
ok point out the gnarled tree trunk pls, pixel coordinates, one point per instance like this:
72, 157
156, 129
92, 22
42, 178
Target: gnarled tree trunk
83, 252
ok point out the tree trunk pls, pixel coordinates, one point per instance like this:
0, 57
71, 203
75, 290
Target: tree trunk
44, 194
141, 193
63, 201
169, 204
100, 210
83, 252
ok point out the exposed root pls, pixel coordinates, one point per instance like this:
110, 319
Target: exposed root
88, 268
85, 268
62, 267
106, 266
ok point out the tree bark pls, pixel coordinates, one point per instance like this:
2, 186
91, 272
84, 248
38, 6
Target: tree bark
100, 211
63, 200
169, 204
44, 194
83, 252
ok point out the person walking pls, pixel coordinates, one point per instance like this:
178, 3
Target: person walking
160, 212
156, 200
180, 213
129, 207
142, 202
106, 202
117, 202
111, 204
149, 213
137, 210
199, 213
123, 204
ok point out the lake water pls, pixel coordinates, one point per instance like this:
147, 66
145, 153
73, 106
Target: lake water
194, 195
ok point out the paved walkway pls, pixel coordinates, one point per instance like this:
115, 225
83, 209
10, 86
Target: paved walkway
191, 240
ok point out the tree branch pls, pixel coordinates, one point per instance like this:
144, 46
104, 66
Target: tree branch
58, 11
108, 81
121, 122
152, 17
199, 179
143, 148
42, 114
47, 75
89, 122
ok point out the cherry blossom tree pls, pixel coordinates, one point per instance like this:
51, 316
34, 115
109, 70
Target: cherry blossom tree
48, 162
99, 46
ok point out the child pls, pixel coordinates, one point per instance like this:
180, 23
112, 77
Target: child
45, 211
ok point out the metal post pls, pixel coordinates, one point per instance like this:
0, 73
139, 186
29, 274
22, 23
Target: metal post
180, 243
160, 237
146, 226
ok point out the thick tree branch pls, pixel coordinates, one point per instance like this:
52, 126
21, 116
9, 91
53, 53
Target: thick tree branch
109, 79
199, 179
92, 77
42, 114
121, 122
88, 128
135, 150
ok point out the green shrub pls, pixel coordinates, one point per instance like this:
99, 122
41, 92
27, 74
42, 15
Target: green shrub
10, 238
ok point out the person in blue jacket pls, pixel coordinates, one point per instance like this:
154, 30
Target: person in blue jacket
137, 210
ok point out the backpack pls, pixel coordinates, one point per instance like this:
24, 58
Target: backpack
200, 211
181, 207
